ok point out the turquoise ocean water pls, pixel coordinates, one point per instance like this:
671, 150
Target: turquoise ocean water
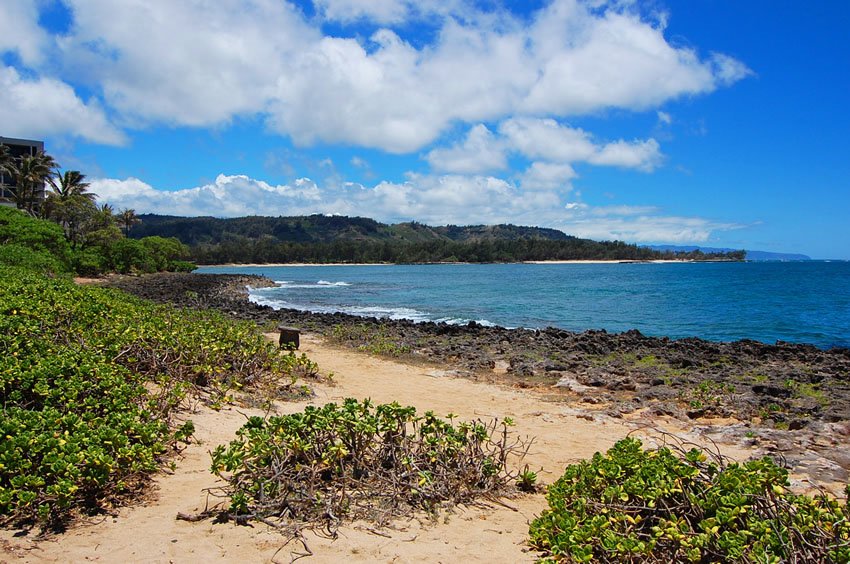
803, 302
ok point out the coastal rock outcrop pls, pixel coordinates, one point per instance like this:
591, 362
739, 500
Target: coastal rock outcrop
781, 387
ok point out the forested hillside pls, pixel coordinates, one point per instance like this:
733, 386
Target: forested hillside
322, 239
325, 229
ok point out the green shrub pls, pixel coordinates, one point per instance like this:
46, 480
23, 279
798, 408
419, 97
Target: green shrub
24, 257
90, 379
659, 506
88, 262
181, 266
44, 237
130, 255
357, 460
164, 252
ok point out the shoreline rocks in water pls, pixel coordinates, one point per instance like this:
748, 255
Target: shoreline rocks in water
777, 388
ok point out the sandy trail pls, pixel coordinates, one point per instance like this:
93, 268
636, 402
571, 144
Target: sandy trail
150, 533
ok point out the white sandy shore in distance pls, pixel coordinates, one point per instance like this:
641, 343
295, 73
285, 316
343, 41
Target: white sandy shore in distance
149, 532
659, 261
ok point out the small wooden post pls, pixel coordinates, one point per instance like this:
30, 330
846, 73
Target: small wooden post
289, 336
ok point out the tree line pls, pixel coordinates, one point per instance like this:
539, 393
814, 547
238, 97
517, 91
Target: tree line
66, 230
267, 249
330, 239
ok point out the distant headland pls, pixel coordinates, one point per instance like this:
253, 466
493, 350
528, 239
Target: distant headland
318, 239
750, 255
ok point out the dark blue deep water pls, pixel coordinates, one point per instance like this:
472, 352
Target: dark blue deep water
803, 302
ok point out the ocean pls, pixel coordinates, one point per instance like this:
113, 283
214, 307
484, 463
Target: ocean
800, 302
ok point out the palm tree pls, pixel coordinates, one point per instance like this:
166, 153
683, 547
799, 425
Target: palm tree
69, 184
30, 173
127, 218
69, 204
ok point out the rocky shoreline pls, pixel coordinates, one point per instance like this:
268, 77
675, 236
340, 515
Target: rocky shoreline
792, 399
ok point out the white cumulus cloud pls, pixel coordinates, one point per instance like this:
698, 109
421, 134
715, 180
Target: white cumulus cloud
185, 63
589, 61
640, 224
479, 152
201, 64
551, 141
433, 199
548, 176
641, 155
547, 139
20, 32
37, 107
386, 11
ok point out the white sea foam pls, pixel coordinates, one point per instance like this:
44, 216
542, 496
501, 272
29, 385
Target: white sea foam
267, 297
289, 284
360, 311
387, 312
463, 321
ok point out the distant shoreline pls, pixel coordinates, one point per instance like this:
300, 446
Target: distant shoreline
579, 261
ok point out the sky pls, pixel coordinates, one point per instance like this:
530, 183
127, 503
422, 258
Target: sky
692, 122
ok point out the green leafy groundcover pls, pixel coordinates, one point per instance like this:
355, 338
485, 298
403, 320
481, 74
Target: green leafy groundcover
90, 379
358, 460
667, 505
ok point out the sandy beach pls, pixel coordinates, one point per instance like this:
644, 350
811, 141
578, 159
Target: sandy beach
149, 531
659, 261
571, 413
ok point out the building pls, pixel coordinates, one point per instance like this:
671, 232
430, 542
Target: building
17, 149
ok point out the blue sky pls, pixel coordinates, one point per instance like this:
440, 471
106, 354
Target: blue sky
705, 122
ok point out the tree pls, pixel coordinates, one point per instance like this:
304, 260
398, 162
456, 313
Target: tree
5, 159
163, 253
127, 218
101, 229
69, 184
5, 163
31, 172
69, 204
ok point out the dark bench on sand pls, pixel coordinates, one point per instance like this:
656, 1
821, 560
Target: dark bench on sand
290, 337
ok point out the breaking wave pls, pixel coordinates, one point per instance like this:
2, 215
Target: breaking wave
288, 284
378, 311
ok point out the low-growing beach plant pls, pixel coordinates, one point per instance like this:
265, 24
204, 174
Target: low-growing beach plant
646, 364
669, 504
772, 411
89, 382
358, 460
757, 377
805, 390
709, 396
38, 261
381, 346
527, 480
648, 361
374, 340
